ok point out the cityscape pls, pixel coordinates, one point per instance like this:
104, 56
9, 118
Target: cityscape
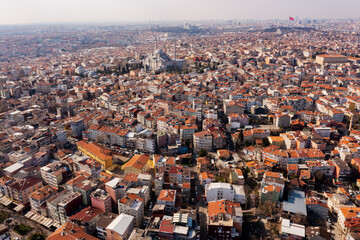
210, 127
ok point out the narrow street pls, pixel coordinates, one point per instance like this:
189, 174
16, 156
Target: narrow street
201, 207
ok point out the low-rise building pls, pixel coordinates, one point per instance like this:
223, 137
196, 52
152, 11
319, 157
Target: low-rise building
317, 207
103, 223
70, 231
137, 164
21, 190
217, 191
292, 230
97, 152
88, 217
120, 228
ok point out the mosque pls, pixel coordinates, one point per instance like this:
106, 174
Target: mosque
160, 61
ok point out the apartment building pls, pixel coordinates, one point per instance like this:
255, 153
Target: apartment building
202, 140
132, 205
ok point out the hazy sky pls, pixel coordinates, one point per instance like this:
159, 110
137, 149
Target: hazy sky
53, 11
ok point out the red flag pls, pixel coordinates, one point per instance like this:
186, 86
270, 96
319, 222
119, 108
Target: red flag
291, 19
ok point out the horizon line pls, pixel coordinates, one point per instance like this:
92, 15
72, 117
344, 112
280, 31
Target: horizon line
149, 22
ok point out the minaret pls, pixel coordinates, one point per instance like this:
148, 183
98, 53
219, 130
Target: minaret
351, 122
175, 50
156, 47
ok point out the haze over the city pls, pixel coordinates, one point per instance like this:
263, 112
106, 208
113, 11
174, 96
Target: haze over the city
111, 11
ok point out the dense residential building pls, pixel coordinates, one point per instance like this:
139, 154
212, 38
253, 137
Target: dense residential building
70, 230
168, 199
272, 186
62, 205
97, 152
137, 164
77, 126
120, 228
202, 140
101, 200
117, 190
38, 200
21, 190
134, 206
218, 191
88, 217
54, 173
225, 219
117, 139
102, 224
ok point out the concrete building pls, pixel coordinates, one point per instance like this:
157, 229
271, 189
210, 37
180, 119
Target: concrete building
120, 228
54, 173
87, 217
168, 199
273, 179
38, 200
331, 59
187, 132
20, 190
224, 220
282, 120
117, 190
77, 126
218, 191
270, 193
317, 207
62, 205
101, 200
202, 140
292, 230
96, 152
134, 206
103, 223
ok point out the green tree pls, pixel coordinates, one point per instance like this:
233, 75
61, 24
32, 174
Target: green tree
319, 180
265, 142
241, 136
319, 177
202, 153
37, 236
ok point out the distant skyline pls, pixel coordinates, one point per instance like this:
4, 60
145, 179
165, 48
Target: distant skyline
106, 11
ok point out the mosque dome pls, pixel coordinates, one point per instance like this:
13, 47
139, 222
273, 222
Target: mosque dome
158, 52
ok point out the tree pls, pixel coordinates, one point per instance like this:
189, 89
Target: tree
202, 153
319, 176
319, 179
267, 208
241, 136
247, 143
265, 142
37, 236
